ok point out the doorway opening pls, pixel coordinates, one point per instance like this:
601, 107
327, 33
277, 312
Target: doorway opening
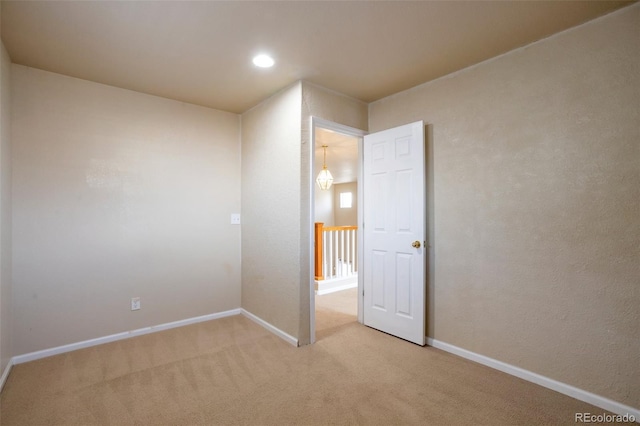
336, 286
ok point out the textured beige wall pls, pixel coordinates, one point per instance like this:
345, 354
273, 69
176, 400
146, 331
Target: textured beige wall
323, 206
5, 209
118, 194
328, 105
276, 201
271, 209
320, 102
536, 168
346, 217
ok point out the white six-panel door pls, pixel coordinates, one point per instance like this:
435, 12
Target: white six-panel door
394, 231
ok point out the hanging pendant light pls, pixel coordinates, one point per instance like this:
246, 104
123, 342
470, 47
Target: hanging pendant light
324, 179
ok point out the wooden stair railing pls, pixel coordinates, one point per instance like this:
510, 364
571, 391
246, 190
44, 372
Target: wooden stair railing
318, 251
319, 260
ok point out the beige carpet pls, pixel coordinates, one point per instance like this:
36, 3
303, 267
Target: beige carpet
334, 311
232, 371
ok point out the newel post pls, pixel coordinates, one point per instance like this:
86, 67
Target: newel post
318, 251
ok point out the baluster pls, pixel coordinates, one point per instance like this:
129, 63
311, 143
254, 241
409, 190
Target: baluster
336, 257
351, 251
329, 254
341, 253
325, 258
347, 255
355, 247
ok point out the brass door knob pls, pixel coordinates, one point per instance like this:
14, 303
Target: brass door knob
416, 244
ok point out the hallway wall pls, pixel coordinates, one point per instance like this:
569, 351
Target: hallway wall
346, 216
332, 106
271, 209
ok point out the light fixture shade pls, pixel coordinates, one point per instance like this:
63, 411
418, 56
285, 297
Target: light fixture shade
324, 179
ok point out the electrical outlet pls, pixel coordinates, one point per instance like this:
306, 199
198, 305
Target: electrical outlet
135, 303
235, 219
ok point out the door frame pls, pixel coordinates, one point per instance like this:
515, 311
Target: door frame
317, 122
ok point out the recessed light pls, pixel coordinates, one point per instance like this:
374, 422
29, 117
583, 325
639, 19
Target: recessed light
263, 61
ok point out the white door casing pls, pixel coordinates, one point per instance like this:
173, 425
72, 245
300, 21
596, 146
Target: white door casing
394, 222
316, 122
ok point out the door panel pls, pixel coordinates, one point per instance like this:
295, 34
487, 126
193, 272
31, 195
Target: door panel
403, 293
378, 277
394, 218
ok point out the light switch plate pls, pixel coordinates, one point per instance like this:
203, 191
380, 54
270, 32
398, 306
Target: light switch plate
235, 218
135, 303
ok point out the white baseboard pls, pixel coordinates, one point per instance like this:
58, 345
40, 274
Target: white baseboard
322, 290
5, 374
287, 337
32, 356
582, 395
19, 359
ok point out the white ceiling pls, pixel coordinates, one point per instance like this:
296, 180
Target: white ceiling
342, 155
200, 52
